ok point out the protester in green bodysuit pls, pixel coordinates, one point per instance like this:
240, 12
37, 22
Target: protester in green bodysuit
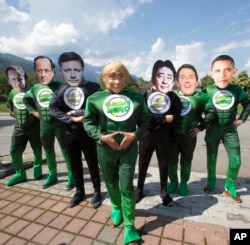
194, 104
26, 127
41, 94
116, 118
226, 98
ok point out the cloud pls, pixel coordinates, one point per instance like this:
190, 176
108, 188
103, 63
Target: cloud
226, 48
10, 14
90, 16
52, 25
232, 45
142, 64
145, 1
158, 47
192, 53
45, 34
43, 38
247, 65
102, 31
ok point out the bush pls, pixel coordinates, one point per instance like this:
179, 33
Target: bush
3, 99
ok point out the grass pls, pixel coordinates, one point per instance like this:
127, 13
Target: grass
3, 107
239, 109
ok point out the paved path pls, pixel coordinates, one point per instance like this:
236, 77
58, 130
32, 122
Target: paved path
32, 215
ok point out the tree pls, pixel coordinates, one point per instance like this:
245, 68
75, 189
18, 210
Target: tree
243, 80
32, 78
4, 88
141, 82
132, 84
207, 80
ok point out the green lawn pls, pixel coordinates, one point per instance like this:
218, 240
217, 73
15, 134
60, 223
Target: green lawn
3, 107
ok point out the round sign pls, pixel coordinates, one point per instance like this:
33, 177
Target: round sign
73, 97
158, 103
223, 100
118, 107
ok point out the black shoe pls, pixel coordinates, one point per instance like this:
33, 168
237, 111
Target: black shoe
96, 200
167, 200
138, 195
77, 198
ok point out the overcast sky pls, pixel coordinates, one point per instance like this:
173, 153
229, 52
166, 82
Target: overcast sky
135, 32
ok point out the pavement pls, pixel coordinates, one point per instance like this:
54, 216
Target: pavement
32, 215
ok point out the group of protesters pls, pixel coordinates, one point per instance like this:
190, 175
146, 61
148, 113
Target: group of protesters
113, 126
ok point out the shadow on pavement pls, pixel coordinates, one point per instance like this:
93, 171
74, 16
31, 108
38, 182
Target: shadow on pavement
6, 123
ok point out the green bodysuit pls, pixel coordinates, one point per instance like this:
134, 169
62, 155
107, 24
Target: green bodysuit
49, 128
106, 114
226, 102
197, 111
26, 129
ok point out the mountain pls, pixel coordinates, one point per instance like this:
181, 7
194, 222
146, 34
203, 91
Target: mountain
91, 73
10, 59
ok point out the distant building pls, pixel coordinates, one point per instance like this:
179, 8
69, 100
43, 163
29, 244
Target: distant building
145, 87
